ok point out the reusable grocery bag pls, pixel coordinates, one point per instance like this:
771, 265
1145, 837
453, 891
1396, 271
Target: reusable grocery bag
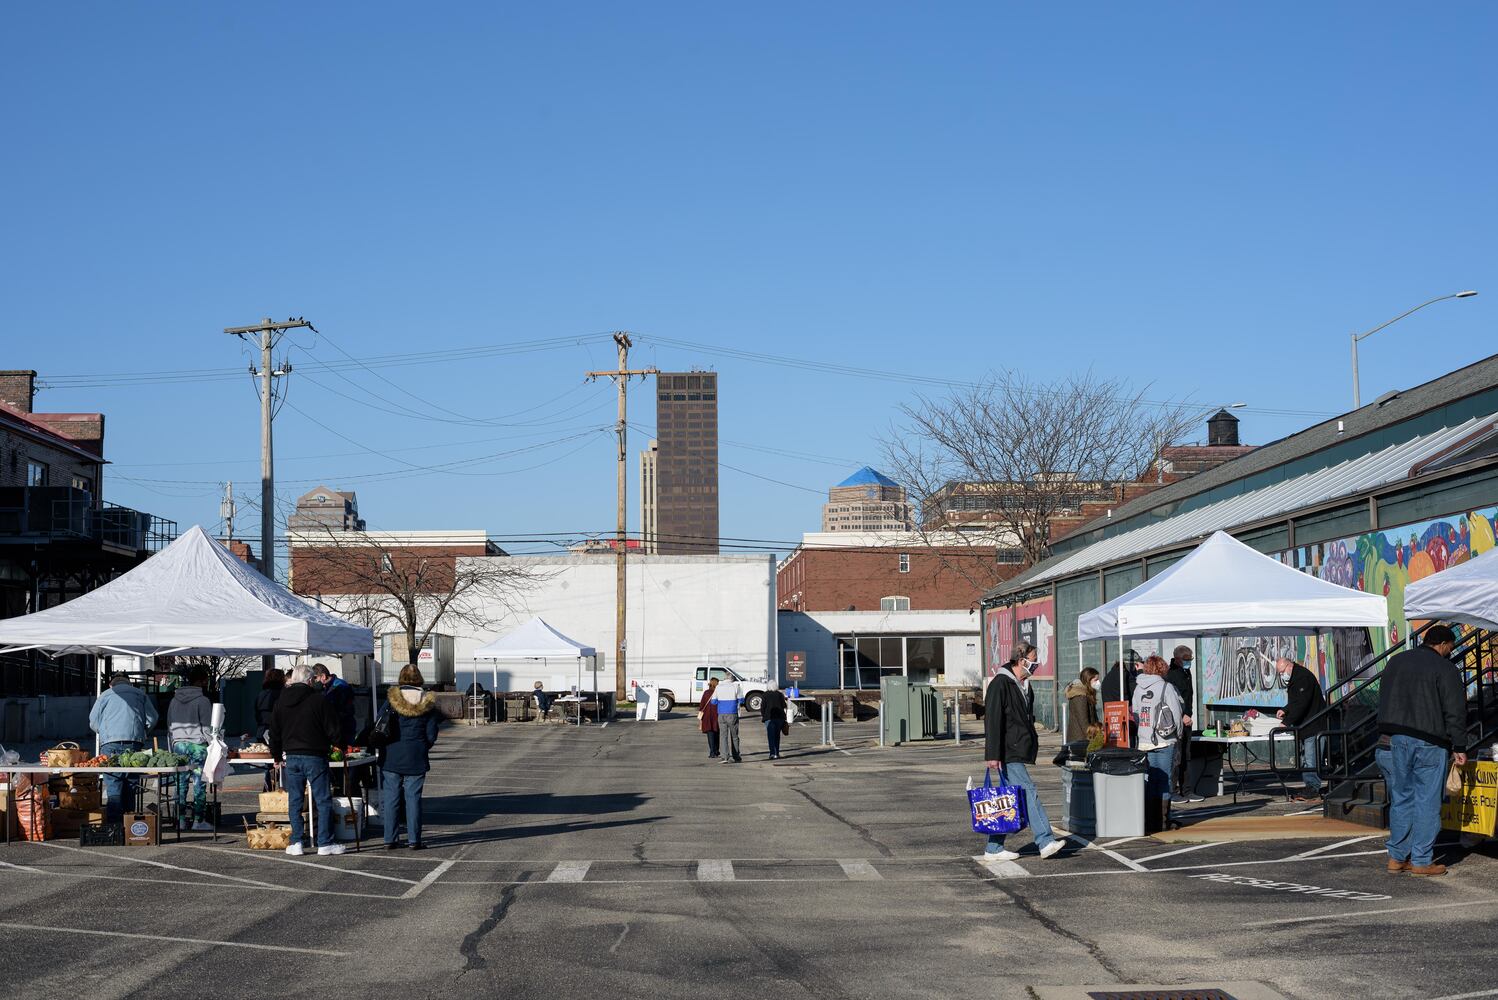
997, 808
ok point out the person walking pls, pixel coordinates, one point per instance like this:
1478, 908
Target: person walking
1010, 745
1422, 717
405, 762
1303, 699
1179, 677
271, 685
725, 699
189, 724
707, 719
122, 716
340, 698
1081, 704
772, 705
302, 729
1157, 710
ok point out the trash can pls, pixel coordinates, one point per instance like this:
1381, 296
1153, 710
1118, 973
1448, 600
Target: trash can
1079, 813
1118, 777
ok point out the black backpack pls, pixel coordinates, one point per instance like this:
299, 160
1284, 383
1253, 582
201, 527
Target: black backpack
386, 730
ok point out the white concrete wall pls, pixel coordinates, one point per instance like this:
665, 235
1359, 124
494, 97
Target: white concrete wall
816, 632
683, 612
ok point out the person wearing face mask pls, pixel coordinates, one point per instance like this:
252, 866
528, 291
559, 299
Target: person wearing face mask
1303, 699
1179, 677
1081, 704
1011, 746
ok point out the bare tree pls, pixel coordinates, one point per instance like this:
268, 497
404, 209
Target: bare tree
389, 587
1023, 452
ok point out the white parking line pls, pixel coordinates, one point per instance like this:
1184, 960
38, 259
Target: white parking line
430, 877
859, 871
1372, 913
281, 857
569, 871
1132, 865
1332, 847
1003, 869
161, 864
1469, 996
70, 931
1185, 850
1221, 864
715, 871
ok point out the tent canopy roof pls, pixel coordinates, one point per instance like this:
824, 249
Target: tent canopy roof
192, 598
533, 640
1224, 587
1467, 593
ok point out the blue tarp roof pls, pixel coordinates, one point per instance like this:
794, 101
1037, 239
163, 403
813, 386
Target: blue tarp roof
868, 477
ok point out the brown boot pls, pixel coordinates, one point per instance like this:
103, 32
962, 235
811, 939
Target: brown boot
1395, 867
1430, 869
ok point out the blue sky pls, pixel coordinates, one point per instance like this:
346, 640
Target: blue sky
1206, 197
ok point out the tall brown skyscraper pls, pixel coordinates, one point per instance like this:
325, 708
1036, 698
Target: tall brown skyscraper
686, 479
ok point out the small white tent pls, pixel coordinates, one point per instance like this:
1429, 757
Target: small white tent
1466, 593
535, 640
192, 598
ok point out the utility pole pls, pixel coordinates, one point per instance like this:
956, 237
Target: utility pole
270, 333
621, 378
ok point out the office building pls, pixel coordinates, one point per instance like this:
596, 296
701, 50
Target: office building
866, 501
686, 480
649, 459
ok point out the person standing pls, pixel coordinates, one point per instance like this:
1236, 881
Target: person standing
1303, 699
1158, 712
271, 685
725, 699
122, 716
1010, 745
302, 729
1422, 717
772, 713
189, 724
707, 719
1081, 704
340, 698
405, 762
1179, 677
542, 700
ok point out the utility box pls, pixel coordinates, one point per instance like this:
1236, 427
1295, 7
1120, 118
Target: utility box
894, 694
925, 712
911, 711
436, 659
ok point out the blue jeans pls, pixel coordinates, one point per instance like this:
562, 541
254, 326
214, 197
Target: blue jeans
395, 785
298, 773
118, 787
1309, 775
1415, 773
1162, 762
772, 736
1040, 823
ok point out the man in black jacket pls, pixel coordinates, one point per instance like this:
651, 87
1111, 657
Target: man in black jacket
1179, 677
1010, 745
1422, 716
1303, 699
302, 729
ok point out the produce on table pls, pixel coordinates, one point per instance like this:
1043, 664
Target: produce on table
335, 754
148, 758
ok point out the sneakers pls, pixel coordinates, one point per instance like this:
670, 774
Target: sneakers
327, 849
1430, 869
202, 827
1192, 798
295, 850
1000, 855
1052, 849
1395, 867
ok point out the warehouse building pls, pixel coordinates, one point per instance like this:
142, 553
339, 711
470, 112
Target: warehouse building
1374, 499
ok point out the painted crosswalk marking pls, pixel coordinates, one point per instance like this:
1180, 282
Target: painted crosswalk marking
859, 871
715, 871
569, 871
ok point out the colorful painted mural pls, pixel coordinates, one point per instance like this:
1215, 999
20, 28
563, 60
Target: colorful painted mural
1241, 671
1031, 621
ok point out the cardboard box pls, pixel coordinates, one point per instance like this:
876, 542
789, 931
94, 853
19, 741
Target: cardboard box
82, 792
141, 830
68, 823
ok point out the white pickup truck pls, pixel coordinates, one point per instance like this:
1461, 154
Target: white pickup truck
753, 688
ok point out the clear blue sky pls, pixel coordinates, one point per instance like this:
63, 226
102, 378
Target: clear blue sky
1208, 197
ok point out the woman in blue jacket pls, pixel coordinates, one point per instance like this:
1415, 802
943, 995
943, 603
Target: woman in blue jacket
404, 762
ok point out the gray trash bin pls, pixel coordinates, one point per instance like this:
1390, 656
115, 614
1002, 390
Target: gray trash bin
1118, 778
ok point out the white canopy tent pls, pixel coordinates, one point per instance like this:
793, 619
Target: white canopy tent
1225, 588
1467, 593
536, 640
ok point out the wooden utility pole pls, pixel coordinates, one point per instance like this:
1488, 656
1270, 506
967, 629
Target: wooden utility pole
621, 378
270, 333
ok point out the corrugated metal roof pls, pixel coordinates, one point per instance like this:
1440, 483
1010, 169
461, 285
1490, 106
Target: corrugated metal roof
1349, 478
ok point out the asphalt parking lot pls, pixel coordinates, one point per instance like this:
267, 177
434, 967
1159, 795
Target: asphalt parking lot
619, 861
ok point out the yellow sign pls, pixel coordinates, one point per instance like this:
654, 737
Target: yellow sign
1475, 808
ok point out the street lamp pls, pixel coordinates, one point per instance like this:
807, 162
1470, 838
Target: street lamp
1357, 399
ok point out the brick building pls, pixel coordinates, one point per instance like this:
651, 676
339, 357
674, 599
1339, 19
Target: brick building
867, 501
330, 561
894, 571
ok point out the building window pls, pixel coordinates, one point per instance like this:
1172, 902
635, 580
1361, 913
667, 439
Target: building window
36, 473
894, 604
904, 562
83, 483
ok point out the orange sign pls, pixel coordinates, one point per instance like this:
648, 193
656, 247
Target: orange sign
1116, 723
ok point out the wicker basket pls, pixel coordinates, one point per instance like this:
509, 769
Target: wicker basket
275, 802
273, 837
66, 754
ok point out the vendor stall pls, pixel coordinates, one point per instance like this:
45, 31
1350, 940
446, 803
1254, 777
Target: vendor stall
536, 640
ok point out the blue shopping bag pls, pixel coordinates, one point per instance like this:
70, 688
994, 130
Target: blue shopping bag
997, 808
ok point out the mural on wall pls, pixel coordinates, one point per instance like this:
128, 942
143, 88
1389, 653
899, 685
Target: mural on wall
1031, 621
1241, 671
